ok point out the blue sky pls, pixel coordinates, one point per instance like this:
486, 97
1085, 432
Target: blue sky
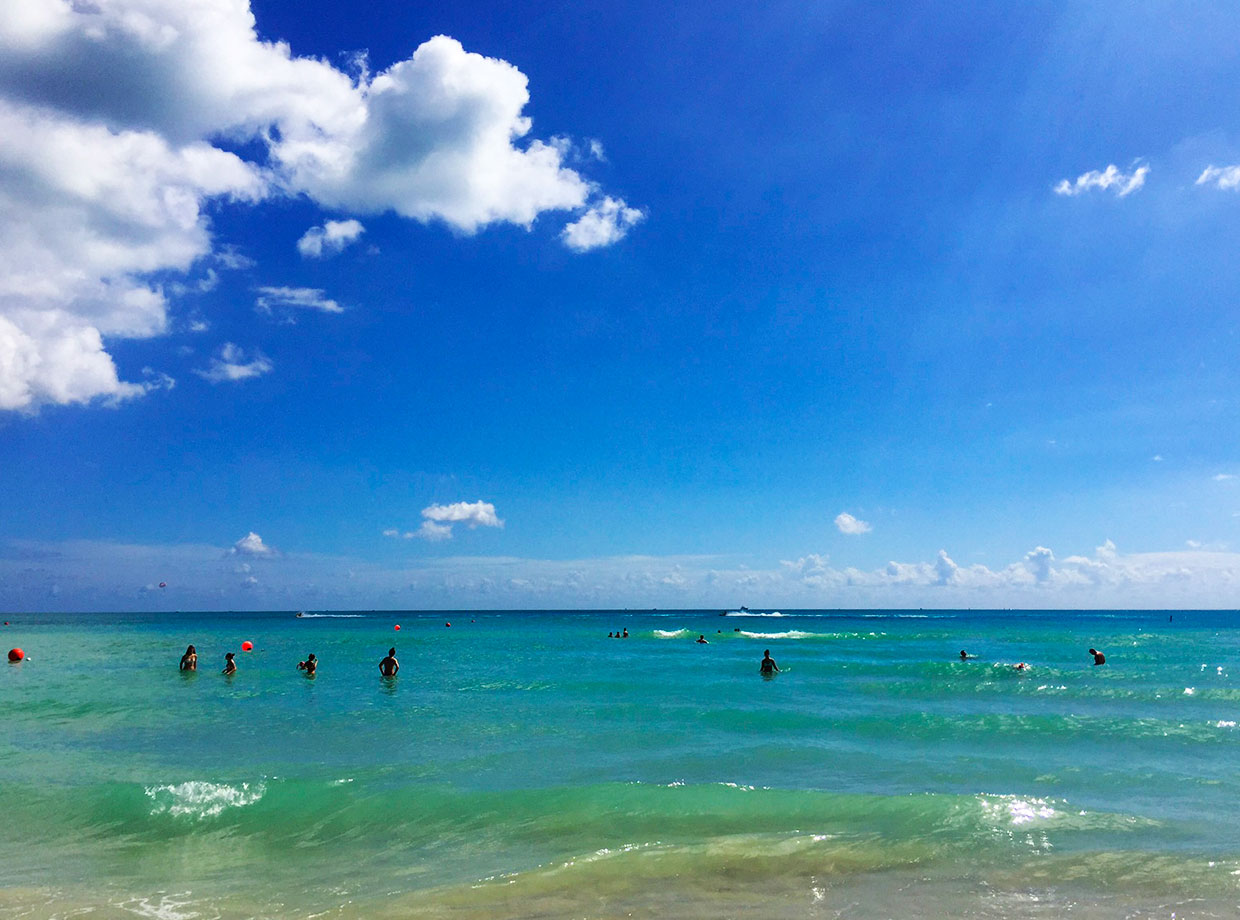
485, 305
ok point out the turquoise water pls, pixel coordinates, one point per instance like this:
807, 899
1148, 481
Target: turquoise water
524, 765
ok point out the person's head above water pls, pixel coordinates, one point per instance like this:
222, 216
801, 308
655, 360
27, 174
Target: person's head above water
190, 651
391, 651
230, 655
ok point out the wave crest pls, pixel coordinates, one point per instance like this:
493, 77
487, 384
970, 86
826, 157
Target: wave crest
200, 799
790, 634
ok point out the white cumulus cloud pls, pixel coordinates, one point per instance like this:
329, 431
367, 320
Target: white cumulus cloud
110, 114
230, 365
1224, 177
438, 520
602, 224
846, 523
475, 514
1121, 183
331, 238
251, 545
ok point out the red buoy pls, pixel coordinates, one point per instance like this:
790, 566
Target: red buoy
247, 646
397, 627
16, 654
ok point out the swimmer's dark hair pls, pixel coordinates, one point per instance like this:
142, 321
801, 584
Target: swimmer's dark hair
391, 651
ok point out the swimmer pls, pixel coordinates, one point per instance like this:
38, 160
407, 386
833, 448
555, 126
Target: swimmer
389, 665
1020, 666
626, 633
768, 665
965, 656
611, 635
701, 640
189, 661
308, 665
230, 666
1099, 658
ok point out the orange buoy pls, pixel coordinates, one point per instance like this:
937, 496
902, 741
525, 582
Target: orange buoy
247, 646
16, 654
447, 624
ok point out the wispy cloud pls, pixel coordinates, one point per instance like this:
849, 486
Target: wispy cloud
330, 239
1111, 178
1223, 177
271, 299
230, 365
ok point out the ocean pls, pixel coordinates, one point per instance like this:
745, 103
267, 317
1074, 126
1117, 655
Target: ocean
525, 765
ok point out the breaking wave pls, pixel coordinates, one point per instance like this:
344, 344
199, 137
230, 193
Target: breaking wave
201, 800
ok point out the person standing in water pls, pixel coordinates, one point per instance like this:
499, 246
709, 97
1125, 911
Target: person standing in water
308, 665
1099, 658
701, 640
230, 666
189, 661
389, 665
768, 665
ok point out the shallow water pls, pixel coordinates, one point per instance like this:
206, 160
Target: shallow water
524, 765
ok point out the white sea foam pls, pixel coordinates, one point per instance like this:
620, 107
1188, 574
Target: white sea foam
672, 633
169, 907
790, 634
202, 800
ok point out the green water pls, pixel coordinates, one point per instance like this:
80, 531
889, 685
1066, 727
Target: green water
525, 765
